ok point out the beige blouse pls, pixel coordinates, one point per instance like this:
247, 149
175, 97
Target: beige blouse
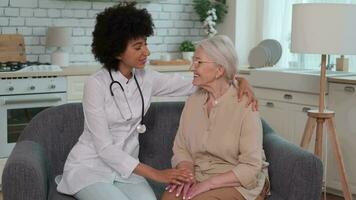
230, 138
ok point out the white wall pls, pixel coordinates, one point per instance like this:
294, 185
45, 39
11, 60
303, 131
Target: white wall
175, 20
247, 31
228, 27
243, 25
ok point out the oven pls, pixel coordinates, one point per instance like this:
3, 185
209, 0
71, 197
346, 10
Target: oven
21, 98
24, 91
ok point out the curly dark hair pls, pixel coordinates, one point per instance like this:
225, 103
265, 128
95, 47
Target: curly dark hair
115, 27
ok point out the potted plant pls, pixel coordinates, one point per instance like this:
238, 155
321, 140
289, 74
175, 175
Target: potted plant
187, 48
210, 14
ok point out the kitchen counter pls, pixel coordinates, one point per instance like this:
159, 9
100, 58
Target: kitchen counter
89, 69
306, 80
244, 69
343, 79
186, 68
79, 70
75, 70
170, 68
84, 70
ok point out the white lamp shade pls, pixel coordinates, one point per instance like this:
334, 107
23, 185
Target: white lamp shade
59, 37
319, 28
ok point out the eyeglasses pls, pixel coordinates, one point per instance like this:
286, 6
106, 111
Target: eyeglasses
196, 63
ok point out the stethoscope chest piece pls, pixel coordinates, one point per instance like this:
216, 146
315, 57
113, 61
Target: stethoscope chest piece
141, 128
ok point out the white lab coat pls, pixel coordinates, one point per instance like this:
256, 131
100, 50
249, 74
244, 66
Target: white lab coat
108, 148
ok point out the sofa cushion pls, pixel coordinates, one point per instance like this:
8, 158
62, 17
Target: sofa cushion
162, 121
56, 129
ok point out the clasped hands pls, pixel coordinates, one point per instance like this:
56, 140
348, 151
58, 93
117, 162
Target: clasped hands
188, 187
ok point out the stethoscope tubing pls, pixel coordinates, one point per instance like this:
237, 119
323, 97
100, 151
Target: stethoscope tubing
122, 88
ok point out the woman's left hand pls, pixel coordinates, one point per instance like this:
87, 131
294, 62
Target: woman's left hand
180, 189
246, 89
198, 189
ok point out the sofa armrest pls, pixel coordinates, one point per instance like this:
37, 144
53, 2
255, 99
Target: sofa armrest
294, 172
25, 174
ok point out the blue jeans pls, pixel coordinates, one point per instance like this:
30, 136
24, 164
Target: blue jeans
116, 191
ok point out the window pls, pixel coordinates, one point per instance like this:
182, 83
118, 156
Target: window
276, 24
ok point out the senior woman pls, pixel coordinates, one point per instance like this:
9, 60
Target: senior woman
219, 139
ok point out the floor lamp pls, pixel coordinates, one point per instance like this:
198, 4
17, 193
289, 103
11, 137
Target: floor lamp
324, 29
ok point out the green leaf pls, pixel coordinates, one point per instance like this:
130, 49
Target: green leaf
186, 46
201, 7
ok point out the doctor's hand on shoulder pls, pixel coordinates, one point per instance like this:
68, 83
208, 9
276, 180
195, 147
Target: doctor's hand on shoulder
172, 176
244, 88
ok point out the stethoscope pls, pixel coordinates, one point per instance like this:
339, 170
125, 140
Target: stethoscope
141, 128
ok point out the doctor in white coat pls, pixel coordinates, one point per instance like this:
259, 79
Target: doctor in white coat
104, 163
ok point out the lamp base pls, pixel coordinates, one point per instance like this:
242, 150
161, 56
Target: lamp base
342, 64
318, 119
60, 58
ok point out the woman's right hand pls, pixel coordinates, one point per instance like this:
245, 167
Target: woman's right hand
173, 176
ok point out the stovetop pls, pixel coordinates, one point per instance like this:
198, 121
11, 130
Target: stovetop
15, 66
27, 66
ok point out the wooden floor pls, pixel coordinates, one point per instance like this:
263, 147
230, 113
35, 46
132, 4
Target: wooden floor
328, 197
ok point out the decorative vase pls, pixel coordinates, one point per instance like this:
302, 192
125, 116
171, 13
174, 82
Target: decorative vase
188, 55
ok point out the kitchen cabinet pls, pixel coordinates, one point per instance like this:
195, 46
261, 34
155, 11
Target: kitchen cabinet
292, 92
342, 100
76, 76
286, 119
286, 111
75, 86
2, 165
276, 114
284, 107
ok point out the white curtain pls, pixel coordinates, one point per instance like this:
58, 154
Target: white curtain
276, 24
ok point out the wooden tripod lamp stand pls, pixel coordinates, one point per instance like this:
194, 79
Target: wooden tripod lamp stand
319, 28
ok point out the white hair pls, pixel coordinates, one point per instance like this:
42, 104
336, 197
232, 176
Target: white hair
221, 50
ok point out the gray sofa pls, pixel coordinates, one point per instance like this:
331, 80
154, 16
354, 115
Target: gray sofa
41, 151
